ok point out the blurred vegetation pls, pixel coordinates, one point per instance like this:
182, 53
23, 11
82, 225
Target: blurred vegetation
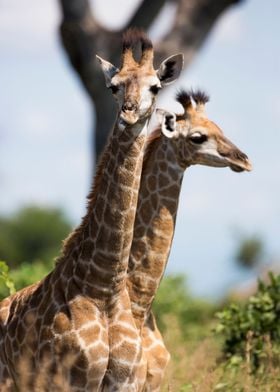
173, 298
250, 251
32, 233
30, 240
250, 329
5, 279
197, 342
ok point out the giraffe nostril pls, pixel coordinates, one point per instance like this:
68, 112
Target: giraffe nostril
129, 106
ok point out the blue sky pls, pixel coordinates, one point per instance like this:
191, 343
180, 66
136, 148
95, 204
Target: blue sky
46, 120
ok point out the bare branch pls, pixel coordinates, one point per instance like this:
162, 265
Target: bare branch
146, 13
83, 38
193, 21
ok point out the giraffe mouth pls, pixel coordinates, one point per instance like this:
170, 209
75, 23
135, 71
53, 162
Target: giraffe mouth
236, 160
236, 168
241, 167
129, 117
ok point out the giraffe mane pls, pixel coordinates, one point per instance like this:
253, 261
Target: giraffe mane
77, 233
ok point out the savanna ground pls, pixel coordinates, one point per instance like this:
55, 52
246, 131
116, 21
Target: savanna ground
197, 365
214, 347
198, 360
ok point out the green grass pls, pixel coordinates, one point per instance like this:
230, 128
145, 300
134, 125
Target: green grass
197, 365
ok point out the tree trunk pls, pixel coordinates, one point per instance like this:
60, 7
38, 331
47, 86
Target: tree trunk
83, 37
105, 114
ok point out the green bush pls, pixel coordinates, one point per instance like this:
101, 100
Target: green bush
252, 330
33, 233
173, 299
6, 282
25, 275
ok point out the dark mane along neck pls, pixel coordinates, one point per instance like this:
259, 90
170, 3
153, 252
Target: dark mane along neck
70, 242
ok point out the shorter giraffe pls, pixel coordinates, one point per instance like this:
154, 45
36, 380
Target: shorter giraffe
183, 140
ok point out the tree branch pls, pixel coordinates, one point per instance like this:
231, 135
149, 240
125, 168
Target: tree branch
146, 14
193, 21
83, 37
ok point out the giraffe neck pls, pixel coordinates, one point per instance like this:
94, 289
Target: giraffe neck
96, 255
154, 224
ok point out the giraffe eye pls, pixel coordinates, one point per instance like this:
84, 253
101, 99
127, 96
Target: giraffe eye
198, 138
154, 89
114, 88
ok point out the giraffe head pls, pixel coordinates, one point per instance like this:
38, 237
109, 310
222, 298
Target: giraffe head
136, 83
197, 139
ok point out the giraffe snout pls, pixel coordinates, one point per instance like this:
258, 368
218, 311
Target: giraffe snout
129, 112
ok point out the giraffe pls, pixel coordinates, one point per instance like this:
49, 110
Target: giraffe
76, 324
184, 140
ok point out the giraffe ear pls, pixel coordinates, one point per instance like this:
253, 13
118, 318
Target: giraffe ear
109, 70
167, 121
170, 69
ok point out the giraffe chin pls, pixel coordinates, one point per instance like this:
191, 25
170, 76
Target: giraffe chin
236, 168
128, 118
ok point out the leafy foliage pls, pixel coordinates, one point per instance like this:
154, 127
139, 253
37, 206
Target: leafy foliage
252, 330
6, 279
196, 362
25, 275
33, 233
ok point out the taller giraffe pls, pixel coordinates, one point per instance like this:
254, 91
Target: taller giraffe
78, 319
184, 140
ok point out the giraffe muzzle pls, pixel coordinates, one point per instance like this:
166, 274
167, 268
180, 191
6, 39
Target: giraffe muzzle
129, 112
240, 167
240, 163
237, 160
